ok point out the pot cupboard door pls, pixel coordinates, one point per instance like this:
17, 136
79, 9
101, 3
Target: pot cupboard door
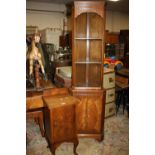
63, 120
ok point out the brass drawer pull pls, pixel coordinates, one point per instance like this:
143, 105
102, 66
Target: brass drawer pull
111, 80
111, 95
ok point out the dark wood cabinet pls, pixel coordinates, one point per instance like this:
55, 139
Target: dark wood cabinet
87, 66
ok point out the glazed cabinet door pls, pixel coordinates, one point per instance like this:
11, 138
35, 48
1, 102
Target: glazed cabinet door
88, 50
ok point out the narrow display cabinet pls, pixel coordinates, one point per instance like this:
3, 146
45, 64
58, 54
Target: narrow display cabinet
87, 67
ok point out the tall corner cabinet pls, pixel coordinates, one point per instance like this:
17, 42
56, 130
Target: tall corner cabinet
87, 67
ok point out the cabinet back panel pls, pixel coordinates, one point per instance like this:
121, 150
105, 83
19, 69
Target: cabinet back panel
96, 25
81, 22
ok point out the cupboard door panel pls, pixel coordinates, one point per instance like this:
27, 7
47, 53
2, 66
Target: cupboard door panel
94, 113
89, 114
62, 123
81, 115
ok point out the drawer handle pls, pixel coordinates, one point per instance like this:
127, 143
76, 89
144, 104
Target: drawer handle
111, 80
111, 95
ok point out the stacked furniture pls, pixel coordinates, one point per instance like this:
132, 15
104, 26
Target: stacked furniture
87, 67
109, 86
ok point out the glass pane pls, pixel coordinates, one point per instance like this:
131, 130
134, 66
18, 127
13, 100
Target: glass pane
80, 48
94, 75
88, 75
95, 26
95, 50
81, 26
80, 75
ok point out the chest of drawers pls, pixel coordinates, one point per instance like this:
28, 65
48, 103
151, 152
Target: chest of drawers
109, 86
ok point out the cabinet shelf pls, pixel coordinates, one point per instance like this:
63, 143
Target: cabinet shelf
82, 38
84, 62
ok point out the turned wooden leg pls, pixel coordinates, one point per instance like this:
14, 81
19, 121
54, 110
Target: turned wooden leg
124, 100
75, 146
53, 148
41, 124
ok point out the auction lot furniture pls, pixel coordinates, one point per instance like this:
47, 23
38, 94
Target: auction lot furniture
59, 119
87, 66
34, 104
109, 86
122, 89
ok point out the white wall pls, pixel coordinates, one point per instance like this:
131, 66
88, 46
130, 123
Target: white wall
45, 19
115, 21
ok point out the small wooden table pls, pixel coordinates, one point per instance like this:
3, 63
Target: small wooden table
59, 119
34, 104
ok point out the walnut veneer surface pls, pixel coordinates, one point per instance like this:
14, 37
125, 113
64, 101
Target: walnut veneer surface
59, 116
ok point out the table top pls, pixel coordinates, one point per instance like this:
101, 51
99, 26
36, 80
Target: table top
60, 100
123, 72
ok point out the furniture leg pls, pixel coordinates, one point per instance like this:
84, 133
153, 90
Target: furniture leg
124, 100
118, 101
75, 146
53, 148
41, 124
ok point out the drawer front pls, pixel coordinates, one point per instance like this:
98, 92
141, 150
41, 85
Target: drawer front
109, 80
110, 109
110, 95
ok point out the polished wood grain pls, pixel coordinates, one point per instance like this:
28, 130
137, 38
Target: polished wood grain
34, 102
90, 112
60, 118
88, 43
89, 6
87, 66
